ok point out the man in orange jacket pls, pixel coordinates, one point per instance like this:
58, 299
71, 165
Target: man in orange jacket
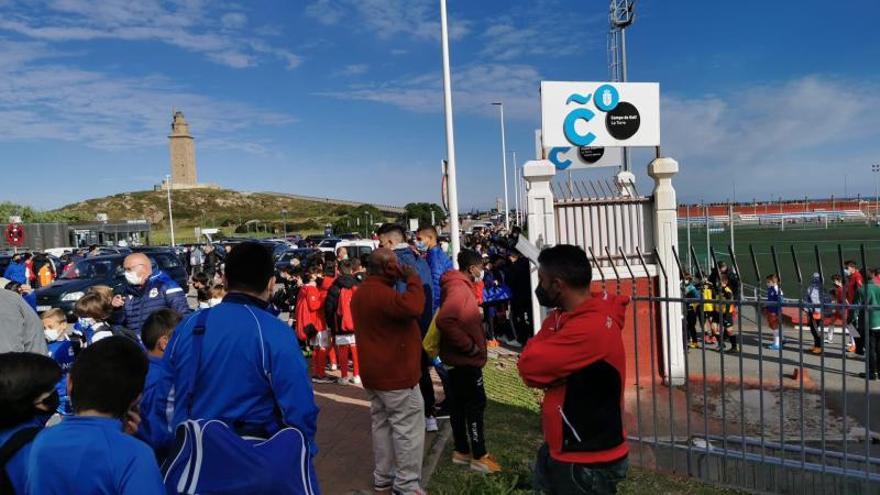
578, 359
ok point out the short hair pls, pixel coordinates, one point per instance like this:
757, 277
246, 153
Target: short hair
429, 229
249, 267
93, 305
467, 259
289, 270
772, 278
105, 291
850, 264
355, 264
567, 263
24, 376
392, 229
218, 290
330, 268
56, 314
108, 375
836, 278
201, 278
345, 267
158, 325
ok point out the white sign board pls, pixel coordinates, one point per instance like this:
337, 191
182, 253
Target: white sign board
600, 114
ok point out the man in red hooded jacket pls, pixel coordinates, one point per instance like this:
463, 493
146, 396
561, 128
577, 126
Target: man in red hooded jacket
578, 359
854, 283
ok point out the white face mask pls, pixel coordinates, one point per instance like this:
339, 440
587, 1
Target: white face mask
132, 278
479, 276
214, 302
52, 334
87, 322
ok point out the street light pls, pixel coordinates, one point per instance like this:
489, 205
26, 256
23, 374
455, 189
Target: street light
500, 105
284, 220
170, 215
451, 183
876, 168
515, 191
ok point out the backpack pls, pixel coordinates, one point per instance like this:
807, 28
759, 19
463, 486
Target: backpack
209, 456
346, 319
8, 450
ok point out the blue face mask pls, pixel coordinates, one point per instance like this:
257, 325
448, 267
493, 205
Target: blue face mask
421, 246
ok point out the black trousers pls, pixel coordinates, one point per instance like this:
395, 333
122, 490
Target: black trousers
873, 350
468, 402
426, 385
522, 321
692, 324
814, 330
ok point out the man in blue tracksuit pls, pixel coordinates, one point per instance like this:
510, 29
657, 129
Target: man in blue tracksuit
438, 261
251, 373
393, 236
16, 271
94, 451
145, 293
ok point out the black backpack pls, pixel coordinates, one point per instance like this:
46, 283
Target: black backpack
15, 443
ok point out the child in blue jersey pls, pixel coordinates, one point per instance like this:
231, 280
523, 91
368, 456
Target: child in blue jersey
773, 309
154, 428
27, 399
62, 349
94, 451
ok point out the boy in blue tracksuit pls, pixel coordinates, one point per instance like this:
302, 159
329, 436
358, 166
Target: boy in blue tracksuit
154, 427
438, 261
251, 374
93, 451
61, 349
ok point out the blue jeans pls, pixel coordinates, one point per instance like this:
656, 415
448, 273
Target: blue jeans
562, 478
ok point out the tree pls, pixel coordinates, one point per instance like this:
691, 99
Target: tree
422, 211
358, 219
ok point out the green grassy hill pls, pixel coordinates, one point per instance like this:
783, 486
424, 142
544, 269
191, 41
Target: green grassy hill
230, 210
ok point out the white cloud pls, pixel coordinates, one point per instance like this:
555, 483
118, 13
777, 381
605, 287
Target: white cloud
186, 24
796, 135
390, 18
475, 88
353, 70
40, 101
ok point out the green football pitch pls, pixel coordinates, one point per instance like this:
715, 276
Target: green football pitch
805, 248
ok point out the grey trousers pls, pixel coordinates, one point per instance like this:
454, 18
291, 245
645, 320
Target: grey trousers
398, 418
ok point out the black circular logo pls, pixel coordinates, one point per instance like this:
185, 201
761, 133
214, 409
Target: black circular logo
623, 122
590, 154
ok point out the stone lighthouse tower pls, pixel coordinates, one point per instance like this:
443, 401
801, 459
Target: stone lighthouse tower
183, 153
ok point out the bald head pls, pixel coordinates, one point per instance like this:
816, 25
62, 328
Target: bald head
138, 264
383, 261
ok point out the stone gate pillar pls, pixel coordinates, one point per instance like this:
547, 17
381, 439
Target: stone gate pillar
541, 219
665, 238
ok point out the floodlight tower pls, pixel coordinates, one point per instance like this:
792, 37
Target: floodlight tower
620, 16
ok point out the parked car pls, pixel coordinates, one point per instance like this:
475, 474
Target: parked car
302, 254
329, 245
102, 270
356, 249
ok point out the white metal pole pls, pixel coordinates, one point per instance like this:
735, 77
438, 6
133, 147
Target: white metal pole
516, 191
451, 184
170, 215
504, 167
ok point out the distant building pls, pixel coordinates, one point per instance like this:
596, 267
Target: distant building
182, 148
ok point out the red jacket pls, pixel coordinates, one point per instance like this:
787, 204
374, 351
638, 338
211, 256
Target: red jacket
462, 340
853, 283
308, 310
578, 357
388, 337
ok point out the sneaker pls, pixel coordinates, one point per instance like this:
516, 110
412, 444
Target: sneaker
492, 343
333, 367
323, 379
816, 350
774, 347
693, 345
461, 459
851, 348
355, 380
733, 350
486, 464
441, 412
431, 424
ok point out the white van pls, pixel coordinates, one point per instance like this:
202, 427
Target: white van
358, 248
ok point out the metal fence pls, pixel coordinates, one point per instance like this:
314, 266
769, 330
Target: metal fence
763, 420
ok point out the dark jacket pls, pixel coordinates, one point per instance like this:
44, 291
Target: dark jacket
159, 292
331, 304
387, 332
462, 340
406, 256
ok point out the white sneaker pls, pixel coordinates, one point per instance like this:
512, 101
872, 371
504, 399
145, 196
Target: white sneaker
355, 380
333, 367
431, 424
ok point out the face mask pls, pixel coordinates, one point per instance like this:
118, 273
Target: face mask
52, 334
480, 275
545, 299
214, 302
87, 322
421, 246
132, 278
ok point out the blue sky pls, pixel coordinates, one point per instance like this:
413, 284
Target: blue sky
342, 98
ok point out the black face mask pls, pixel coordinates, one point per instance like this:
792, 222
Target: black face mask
545, 299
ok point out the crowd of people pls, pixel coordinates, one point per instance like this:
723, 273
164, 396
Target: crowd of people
224, 387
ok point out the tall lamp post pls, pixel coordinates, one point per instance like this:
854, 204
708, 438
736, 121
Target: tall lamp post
451, 183
170, 215
516, 190
284, 220
876, 168
500, 105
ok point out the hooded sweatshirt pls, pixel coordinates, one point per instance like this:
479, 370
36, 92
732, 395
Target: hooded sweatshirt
579, 358
462, 340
